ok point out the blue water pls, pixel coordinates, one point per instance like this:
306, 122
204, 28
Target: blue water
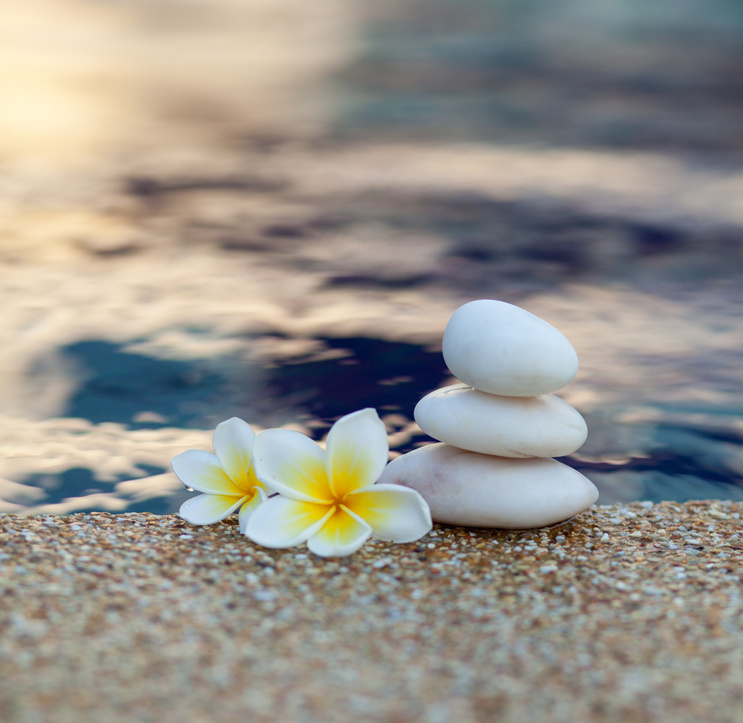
619, 77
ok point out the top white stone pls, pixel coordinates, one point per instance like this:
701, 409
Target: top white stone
501, 349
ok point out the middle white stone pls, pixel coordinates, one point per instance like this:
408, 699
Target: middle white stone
542, 426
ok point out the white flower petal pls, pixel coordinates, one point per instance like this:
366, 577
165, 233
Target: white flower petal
283, 522
233, 443
259, 497
208, 509
202, 471
342, 534
357, 451
395, 513
291, 463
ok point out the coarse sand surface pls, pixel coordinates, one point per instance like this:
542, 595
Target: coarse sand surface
625, 613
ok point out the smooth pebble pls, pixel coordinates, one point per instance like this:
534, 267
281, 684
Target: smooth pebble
478, 490
541, 426
501, 349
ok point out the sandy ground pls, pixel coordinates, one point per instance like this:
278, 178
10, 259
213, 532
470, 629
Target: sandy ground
627, 613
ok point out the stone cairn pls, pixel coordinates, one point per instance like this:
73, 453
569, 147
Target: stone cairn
501, 427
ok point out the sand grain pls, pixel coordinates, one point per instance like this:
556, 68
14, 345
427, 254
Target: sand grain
627, 613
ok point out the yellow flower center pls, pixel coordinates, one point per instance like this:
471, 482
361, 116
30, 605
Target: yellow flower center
248, 482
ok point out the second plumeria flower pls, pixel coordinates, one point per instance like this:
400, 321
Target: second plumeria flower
227, 478
329, 498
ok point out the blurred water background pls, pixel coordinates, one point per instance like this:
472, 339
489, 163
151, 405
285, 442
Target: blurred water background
270, 209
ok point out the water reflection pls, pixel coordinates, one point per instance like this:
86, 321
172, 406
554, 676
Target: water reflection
270, 210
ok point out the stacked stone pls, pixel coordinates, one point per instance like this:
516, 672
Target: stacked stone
501, 427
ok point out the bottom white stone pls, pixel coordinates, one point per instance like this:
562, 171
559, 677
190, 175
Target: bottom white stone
480, 490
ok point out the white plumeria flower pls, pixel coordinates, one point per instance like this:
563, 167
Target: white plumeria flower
226, 478
328, 498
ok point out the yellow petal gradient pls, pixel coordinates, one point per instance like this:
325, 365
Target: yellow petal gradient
357, 452
283, 522
208, 509
250, 506
342, 534
233, 444
292, 464
202, 471
395, 513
